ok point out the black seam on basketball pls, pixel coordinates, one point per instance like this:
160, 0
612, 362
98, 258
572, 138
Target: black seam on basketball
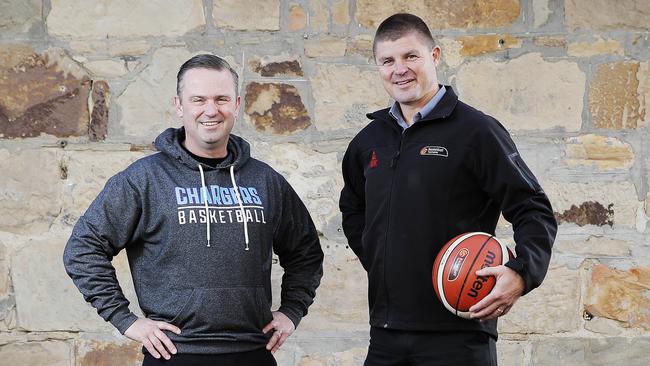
462, 288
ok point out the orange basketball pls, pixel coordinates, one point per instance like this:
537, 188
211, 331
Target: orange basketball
454, 271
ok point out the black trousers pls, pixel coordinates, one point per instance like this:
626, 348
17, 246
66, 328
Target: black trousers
418, 348
258, 357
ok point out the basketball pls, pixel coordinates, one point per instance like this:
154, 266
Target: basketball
454, 270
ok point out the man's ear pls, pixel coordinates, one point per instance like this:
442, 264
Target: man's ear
176, 100
436, 53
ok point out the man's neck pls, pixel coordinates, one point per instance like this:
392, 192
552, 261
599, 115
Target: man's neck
217, 153
409, 110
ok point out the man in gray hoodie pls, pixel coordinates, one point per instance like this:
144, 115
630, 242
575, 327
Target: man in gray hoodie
200, 221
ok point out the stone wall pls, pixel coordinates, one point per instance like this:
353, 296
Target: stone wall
86, 85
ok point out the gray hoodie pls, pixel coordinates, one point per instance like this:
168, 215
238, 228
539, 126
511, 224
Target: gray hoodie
199, 242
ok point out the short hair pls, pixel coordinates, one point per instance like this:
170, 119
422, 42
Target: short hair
206, 61
399, 25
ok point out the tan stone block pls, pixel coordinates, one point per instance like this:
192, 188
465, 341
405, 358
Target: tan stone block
519, 98
106, 68
352, 357
14, 54
325, 47
620, 295
551, 308
450, 51
571, 351
510, 353
29, 205
43, 93
19, 16
550, 41
593, 203
246, 14
604, 14
297, 18
128, 48
38, 282
108, 352
88, 172
340, 12
275, 108
478, 45
88, 46
598, 47
123, 18
613, 96
604, 326
643, 92
312, 174
344, 94
598, 246
270, 66
146, 104
541, 12
362, 46
341, 302
51, 353
5, 281
442, 14
603, 153
319, 15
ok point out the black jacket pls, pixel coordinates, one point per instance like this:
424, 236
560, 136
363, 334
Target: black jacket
406, 194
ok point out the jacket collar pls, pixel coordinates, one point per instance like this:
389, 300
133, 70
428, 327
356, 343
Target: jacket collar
444, 108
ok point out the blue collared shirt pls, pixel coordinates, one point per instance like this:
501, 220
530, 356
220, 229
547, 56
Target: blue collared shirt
396, 112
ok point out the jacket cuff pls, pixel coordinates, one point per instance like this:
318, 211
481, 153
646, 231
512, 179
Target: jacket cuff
294, 315
123, 321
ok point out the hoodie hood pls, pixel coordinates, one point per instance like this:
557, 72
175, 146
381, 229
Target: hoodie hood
169, 143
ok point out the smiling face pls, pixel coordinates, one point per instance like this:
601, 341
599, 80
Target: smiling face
208, 105
407, 67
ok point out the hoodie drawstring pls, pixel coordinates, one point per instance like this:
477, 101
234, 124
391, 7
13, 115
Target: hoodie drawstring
241, 203
204, 192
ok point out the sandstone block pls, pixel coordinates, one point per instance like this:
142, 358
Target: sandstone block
594, 203
270, 66
600, 152
37, 282
276, 107
613, 96
563, 351
605, 15
123, 18
598, 47
42, 93
442, 14
146, 104
246, 14
319, 15
107, 352
29, 205
344, 94
598, 246
340, 12
510, 353
326, 47
106, 68
18, 16
518, 98
297, 18
620, 295
541, 12
551, 308
51, 353
481, 44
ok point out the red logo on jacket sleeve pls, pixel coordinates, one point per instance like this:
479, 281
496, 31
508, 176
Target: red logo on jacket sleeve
373, 160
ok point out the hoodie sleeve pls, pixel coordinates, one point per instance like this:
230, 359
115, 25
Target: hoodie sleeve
296, 243
352, 202
106, 227
507, 180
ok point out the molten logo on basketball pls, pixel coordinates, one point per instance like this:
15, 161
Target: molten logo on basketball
458, 264
480, 280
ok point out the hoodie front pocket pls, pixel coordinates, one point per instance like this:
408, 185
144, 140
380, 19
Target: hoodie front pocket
225, 310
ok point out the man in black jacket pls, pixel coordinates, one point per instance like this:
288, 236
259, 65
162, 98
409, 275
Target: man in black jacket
423, 171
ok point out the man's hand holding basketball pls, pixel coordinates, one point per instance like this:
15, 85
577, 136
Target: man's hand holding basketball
507, 290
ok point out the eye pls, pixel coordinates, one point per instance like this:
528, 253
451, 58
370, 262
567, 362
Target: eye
387, 62
223, 100
196, 100
412, 57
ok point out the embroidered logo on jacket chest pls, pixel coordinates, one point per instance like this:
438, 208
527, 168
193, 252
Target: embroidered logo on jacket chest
434, 151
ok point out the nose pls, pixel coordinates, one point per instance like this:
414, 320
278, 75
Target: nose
400, 68
211, 109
